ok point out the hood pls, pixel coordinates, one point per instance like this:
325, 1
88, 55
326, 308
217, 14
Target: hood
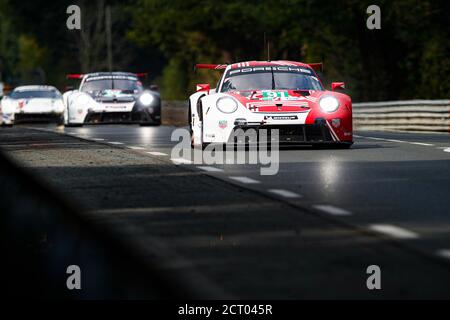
36, 105
278, 100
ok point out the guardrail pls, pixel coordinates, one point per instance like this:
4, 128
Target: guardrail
410, 115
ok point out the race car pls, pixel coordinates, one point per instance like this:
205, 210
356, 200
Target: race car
30, 103
284, 95
111, 97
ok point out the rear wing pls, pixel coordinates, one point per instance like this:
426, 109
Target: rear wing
74, 76
210, 66
316, 66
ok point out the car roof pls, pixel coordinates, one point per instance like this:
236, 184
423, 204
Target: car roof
35, 88
269, 63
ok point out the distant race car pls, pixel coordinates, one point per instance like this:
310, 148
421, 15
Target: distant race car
111, 97
284, 95
30, 103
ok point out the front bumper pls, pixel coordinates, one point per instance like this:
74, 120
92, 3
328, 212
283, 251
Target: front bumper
37, 117
297, 134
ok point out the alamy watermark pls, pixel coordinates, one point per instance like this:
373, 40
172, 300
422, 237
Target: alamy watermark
73, 22
246, 147
374, 280
73, 281
374, 20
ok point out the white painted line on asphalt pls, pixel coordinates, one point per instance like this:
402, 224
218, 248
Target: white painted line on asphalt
332, 210
180, 161
394, 140
393, 231
210, 169
245, 180
444, 253
447, 150
97, 139
115, 143
135, 148
373, 138
423, 144
154, 153
285, 193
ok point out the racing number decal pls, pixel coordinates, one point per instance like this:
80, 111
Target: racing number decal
274, 95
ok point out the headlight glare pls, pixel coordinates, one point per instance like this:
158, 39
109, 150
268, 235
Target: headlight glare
329, 104
227, 105
146, 99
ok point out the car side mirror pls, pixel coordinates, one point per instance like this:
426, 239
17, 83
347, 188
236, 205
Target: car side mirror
203, 87
154, 87
337, 86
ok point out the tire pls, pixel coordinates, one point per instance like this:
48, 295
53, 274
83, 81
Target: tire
60, 121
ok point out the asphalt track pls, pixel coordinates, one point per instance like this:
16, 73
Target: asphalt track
310, 231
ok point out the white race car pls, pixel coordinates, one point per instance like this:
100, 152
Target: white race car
29, 103
111, 97
259, 96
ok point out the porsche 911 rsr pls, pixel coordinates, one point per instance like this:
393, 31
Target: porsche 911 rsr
111, 97
283, 95
30, 103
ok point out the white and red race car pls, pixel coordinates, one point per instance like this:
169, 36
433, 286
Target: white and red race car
111, 97
30, 103
284, 95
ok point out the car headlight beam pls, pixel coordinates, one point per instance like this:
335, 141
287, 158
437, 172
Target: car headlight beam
146, 99
329, 104
226, 105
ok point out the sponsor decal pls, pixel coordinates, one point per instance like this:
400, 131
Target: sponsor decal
22, 103
238, 71
281, 117
223, 124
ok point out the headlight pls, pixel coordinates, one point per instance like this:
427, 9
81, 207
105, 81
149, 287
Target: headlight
146, 99
227, 105
329, 104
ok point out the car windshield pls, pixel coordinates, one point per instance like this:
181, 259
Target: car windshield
48, 94
122, 85
266, 78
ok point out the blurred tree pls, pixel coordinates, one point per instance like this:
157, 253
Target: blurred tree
31, 61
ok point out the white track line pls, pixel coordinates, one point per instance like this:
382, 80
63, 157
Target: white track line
399, 141
423, 144
210, 169
245, 180
98, 139
135, 148
115, 143
335, 211
154, 153
285, 193
447, 150
180, 161
444, 253
393, 231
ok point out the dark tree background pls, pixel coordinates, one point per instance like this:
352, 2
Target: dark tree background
408, 58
